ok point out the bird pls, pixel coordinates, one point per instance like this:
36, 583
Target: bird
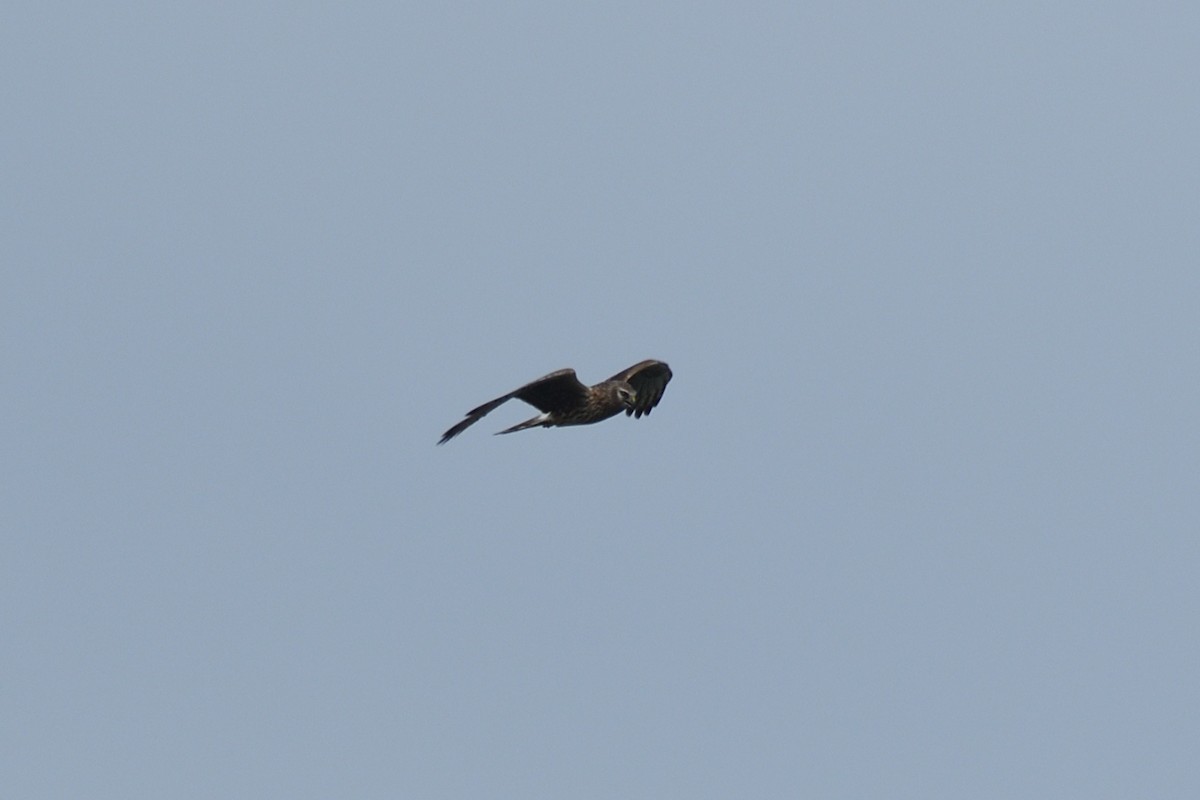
564, 400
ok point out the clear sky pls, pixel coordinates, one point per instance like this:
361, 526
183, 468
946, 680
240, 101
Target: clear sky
917, 517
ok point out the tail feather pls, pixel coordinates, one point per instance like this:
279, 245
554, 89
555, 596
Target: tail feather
539, 420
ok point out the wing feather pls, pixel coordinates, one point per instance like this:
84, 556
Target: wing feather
473, 416
649, 379
552, 393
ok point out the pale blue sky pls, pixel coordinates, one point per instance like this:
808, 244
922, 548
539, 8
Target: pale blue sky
917, 517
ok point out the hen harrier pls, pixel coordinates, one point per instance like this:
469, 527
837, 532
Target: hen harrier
563, 400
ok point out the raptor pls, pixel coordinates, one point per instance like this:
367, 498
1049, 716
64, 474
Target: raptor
564, 400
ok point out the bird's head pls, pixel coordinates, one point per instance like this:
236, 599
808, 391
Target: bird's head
626, 394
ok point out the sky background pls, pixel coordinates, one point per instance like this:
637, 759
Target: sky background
917, 517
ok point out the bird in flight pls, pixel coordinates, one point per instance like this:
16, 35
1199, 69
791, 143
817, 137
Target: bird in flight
563, 400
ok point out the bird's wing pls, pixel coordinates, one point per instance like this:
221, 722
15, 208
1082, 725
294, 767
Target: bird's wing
649, 379
554, 392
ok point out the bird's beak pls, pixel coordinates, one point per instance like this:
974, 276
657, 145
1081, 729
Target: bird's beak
632, 401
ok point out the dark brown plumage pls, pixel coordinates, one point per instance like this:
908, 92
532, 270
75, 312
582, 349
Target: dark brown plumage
563, 400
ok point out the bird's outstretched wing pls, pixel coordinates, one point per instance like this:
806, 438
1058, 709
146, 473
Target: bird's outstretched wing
649, 379
553, 393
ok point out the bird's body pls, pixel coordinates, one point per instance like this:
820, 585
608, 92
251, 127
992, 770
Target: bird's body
564, 400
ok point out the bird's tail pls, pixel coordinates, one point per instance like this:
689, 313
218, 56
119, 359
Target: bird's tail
539, 420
